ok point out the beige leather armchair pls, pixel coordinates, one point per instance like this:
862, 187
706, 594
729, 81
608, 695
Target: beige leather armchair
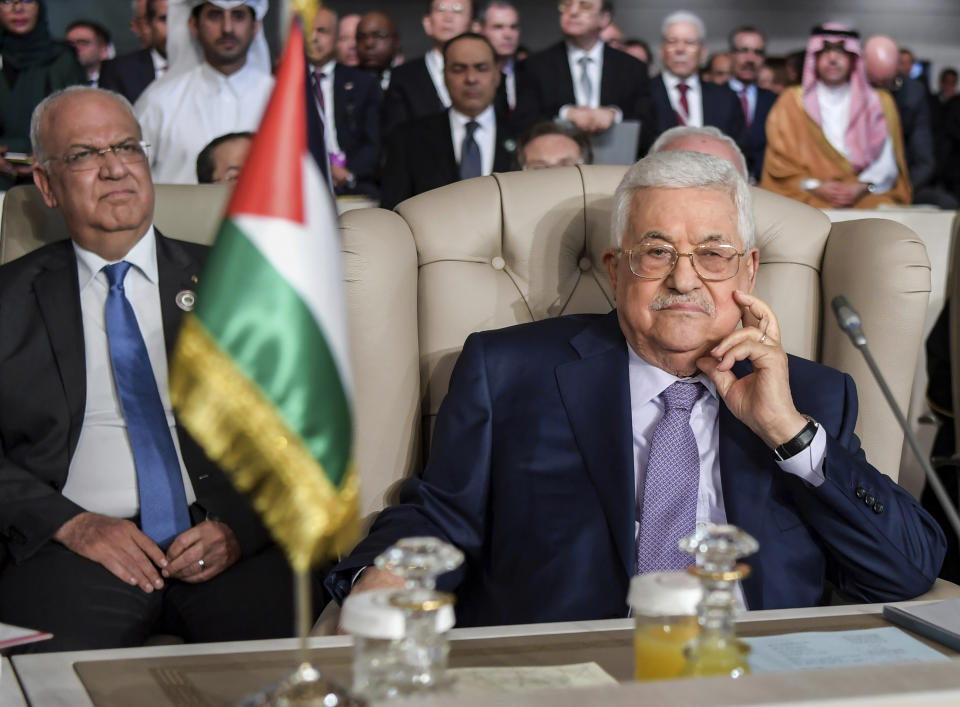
187, 212
522, 246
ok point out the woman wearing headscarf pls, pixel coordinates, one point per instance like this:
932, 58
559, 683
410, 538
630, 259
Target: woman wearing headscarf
33, 66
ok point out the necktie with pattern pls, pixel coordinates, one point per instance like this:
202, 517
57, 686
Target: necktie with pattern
669, 509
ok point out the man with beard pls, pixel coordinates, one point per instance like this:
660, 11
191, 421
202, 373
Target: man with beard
834, 141
222, 94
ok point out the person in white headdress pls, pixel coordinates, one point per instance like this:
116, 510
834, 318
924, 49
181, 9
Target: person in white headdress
217, 84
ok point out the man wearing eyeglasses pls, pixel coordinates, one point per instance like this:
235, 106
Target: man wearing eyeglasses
575, 452
114, 525
748, 49
417, 87
581, 79
679, 96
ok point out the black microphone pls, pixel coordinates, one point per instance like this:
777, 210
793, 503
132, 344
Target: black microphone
850, 323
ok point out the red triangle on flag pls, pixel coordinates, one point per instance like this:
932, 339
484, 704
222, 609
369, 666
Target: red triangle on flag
271, 183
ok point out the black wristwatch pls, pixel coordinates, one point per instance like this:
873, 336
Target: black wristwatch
796, 445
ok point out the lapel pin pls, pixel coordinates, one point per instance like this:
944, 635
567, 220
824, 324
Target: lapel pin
348, 86
186, 299
193, 279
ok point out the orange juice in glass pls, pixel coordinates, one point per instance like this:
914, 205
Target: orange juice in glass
664, 608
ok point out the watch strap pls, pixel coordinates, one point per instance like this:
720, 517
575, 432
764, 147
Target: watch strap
800, 442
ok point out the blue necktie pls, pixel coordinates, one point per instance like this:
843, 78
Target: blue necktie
163, 503
471, 165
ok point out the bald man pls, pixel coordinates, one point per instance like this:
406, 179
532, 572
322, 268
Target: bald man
881, 55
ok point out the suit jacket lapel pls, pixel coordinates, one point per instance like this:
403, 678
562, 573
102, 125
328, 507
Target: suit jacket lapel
596, 395
666, 117
610, 81
446, 155
177, 271
745, 482
57, 290
502, 160
562, 76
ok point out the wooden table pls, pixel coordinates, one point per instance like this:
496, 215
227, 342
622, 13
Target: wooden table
213, 674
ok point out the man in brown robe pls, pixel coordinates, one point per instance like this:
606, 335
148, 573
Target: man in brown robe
834, 141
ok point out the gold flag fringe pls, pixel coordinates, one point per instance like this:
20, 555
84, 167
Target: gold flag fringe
240, 429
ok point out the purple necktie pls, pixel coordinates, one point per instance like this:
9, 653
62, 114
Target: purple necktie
669, 510
685, 116
745, 104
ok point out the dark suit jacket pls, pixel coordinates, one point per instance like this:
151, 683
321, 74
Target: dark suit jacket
547, 86
411, 94
913, 105
43, 394
128, 74
356, 111
531, 475
756, 142
418, 156
721, 109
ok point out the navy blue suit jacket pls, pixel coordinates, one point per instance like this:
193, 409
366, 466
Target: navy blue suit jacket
356, 111
756, 142
531, 475
128, 74
721, 109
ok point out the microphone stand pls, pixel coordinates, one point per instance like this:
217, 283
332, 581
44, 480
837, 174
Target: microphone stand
849, 322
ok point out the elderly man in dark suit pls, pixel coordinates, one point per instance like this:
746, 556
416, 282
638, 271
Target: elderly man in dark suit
349, 100
581, 79
130, 73
463, 142
574, 452
679, 96
113, 523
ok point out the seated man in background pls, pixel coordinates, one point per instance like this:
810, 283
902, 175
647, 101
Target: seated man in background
573, 452
221, 161
113, 523
718, 69
880, 56
551, 144
463, 142
91, 41
835, 142
129, 74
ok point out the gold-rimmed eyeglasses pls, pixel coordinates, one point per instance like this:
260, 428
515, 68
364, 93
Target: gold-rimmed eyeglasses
80, 159
711, 261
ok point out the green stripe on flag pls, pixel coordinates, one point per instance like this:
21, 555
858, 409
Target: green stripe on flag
261, 322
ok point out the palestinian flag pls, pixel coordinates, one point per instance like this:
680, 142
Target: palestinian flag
260, 374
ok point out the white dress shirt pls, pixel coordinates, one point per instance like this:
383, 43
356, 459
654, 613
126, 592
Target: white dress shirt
510, 82
485, 135
434, 62
160, 64
329, 121
694, 97
739, 87
594, 71
647, 382
182, 113
835, 116
102, 477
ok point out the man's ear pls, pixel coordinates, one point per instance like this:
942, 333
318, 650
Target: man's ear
192, 24
611, 259
753, 262
428, 25
42, 180
256, 28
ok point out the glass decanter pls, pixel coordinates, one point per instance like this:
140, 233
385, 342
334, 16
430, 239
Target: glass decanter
716, 650
422, 652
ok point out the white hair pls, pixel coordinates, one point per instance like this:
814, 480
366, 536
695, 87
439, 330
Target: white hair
684, 16
681, 169
679, 132
38, 118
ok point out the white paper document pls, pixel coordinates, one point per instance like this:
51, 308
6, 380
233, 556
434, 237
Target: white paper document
528, 679
836, 649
